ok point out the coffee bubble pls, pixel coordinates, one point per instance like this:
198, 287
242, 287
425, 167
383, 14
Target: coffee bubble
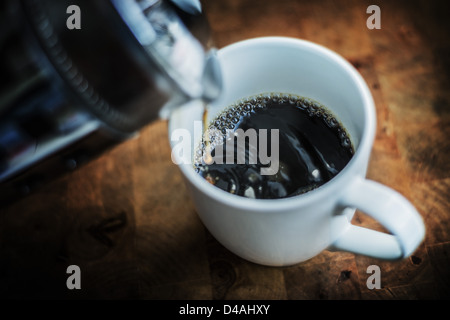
301, 166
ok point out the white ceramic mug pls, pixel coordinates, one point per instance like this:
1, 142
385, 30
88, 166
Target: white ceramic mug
286, 231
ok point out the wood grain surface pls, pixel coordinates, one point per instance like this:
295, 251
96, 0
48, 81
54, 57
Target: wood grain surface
127, 221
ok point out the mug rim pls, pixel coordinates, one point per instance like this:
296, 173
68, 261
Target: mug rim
365, 144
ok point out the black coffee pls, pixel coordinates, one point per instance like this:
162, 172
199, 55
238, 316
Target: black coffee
312, 147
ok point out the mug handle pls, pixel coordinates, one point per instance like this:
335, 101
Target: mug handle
389, 208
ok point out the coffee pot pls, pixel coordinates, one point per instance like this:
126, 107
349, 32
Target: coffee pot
79, 76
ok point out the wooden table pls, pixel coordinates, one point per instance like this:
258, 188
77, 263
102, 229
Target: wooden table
126, 219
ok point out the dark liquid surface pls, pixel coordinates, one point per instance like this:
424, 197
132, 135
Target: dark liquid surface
313, 147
